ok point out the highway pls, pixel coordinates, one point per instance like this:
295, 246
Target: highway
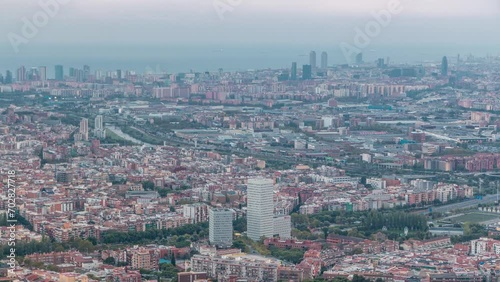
438, 136
466, 204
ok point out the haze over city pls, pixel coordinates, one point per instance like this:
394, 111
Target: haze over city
184, 35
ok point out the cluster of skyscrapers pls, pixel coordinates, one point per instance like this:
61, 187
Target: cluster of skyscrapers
261, 220
40, 74
32, 74
309, 70
313, 61
83, 131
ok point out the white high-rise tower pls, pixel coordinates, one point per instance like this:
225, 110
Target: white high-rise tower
99, 130
260, 208
99, 122
84, 129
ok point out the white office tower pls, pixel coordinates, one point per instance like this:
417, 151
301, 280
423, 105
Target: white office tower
260, 208
282, 226
220, 227
99, 130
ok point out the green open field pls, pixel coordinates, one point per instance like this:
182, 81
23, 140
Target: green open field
475, 217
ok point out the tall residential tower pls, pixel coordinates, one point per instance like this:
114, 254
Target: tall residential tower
324, 60
294, 71
99, 130
260, 208
312, 60
84, 129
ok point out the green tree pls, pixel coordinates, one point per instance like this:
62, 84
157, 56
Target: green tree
357, 251
363, 180
473, 229
239, 244
148, 185
359, 278
110, 261
172, 259
240, 225
294, 255
325, 232
84, 246
168, 270
3, 220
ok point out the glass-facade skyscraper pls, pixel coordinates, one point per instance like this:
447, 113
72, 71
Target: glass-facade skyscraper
59, 70
312, 60
444, 66
306, 72
294, 71
324, 60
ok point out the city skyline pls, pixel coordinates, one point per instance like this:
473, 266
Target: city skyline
250, 140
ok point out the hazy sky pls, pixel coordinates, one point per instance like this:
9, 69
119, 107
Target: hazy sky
279, 23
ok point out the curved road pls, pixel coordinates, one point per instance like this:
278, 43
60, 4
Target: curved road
125, 136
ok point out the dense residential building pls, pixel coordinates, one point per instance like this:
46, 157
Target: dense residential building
252, 269
142, 258
196, 212
191, 276
189, 152
485, 246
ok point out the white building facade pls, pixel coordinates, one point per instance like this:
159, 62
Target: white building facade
260, 208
